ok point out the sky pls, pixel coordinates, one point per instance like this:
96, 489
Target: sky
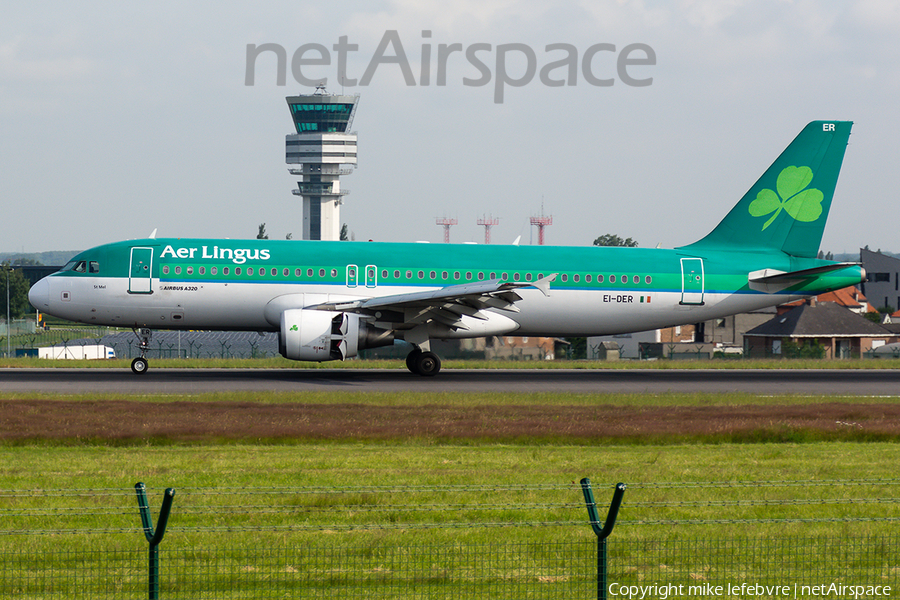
120, 118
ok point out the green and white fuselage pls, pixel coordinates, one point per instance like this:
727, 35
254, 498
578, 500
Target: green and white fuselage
328, 300
597, 291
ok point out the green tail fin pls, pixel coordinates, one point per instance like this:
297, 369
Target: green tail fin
787, 207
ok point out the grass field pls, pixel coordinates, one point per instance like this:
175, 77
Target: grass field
359, 440
374, 471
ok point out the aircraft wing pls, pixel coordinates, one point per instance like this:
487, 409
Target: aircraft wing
445, 305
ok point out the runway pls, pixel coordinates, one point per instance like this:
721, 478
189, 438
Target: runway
873, 383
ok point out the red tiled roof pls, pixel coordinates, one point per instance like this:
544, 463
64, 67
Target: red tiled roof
848, 297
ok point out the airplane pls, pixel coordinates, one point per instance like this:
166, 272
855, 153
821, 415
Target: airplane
329, 300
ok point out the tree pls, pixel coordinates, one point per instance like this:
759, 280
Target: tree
262, 235
344, 236
18, 292
610, 239
289, 236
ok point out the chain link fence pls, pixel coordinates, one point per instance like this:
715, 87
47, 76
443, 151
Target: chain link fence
507, 542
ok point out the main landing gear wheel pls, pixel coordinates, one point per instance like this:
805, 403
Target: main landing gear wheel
423, 363
139, 366
428, 364
411, 359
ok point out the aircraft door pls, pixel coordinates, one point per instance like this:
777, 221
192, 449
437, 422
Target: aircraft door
140, 275
692, 281
352, 276
371, 276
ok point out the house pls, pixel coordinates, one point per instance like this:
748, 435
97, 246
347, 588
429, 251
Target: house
728, 332
848, 297
629, 343
891, 322
840, 332
883, 284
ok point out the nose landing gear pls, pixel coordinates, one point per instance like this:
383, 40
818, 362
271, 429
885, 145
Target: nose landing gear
140, 365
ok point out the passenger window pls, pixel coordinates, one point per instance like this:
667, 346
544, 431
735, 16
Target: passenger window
165, 269
648, 279
469, 275
599, 278
480, 275
237, 270
612, 278
587, 278
178, 271
321, 272
298, 272
456, 275
214, 270
444, 274
309, 272
637, 279
575, 278
384, 273
190, 270
224, 270
421, 274
202, 270
396, 274
565, 277
286, 272
433, 275
250, 270
516, 276
527, 276
333, 272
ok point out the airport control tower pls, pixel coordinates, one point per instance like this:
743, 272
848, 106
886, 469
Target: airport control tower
317, 152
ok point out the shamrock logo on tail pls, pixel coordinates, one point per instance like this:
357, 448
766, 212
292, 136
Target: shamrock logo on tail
792, 196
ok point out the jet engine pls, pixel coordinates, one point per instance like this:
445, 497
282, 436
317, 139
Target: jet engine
322, 335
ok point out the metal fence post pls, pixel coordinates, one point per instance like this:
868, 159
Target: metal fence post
602, 532
154, 538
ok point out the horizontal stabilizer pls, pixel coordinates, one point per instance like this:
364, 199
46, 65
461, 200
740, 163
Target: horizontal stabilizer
771, 281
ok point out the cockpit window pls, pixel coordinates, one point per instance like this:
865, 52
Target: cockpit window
82, 266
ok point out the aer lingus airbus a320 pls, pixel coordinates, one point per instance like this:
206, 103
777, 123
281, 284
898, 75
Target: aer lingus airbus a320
328, 300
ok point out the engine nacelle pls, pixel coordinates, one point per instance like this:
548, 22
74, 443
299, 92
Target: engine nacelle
319, 335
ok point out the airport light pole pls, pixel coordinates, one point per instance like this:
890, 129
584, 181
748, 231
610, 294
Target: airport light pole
7, 312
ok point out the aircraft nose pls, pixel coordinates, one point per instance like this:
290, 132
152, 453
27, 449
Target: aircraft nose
39, 294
